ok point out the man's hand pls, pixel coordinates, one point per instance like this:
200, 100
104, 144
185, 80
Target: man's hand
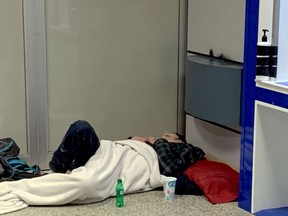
149, 140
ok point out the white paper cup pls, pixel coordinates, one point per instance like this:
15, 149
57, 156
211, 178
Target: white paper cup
169, 184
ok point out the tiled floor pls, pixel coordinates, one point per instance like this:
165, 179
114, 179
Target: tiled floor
141, 204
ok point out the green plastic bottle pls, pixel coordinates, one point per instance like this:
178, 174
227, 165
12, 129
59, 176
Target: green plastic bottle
119, 194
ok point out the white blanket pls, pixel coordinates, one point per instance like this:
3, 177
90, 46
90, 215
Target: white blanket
134, 162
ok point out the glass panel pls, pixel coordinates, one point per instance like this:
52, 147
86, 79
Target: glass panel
113, 63
12, 74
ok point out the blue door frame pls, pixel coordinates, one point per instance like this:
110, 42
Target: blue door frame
250, 93
248, 100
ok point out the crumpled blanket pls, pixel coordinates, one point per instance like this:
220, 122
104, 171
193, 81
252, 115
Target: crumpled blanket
134, 162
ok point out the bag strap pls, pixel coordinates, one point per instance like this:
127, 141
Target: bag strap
6, 147
22, 170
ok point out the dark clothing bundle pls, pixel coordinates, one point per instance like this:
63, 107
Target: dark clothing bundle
81, 142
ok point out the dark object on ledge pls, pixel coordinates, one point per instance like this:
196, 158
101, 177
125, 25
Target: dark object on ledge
213, 89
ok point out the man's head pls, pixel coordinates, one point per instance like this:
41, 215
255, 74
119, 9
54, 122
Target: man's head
174, 137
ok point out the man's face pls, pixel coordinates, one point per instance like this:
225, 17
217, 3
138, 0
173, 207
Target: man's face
171, 137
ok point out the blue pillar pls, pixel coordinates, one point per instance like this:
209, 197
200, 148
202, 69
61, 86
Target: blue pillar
247, 107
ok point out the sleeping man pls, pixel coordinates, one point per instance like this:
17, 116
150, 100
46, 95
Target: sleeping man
96, 165
175, 155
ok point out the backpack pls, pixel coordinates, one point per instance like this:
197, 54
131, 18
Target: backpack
11, 166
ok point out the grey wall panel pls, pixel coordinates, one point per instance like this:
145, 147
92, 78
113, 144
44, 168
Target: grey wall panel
213, 90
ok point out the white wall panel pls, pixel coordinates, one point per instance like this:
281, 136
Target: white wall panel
218, 143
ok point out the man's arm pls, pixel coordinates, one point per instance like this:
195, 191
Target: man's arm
174, 158
170, 163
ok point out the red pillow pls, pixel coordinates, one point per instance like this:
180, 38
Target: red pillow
218, 181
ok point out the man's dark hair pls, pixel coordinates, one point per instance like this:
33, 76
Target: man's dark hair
181, 137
